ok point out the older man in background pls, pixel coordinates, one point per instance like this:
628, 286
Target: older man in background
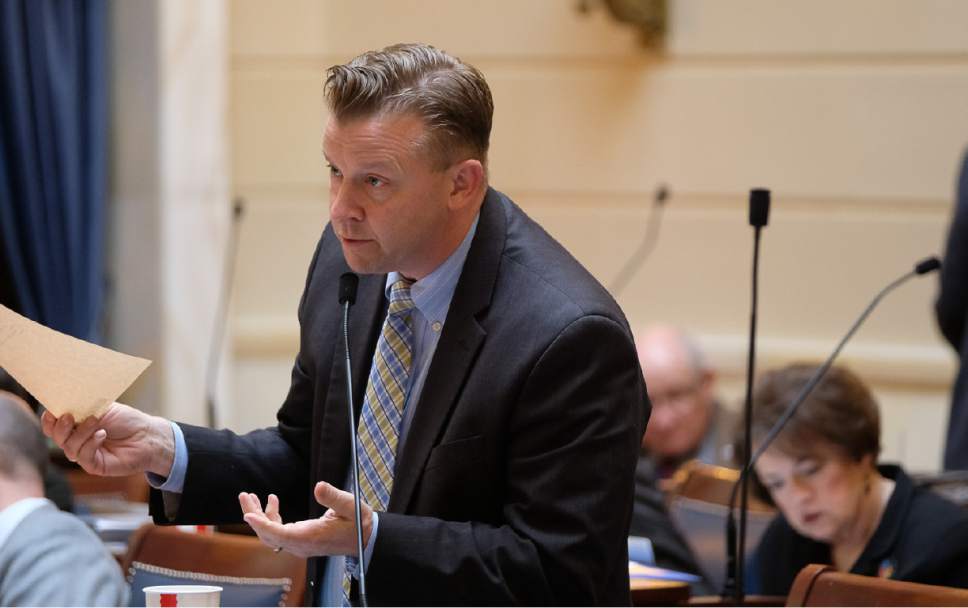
687, 420
47, 557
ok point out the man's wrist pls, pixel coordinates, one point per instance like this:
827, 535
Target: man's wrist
163, 447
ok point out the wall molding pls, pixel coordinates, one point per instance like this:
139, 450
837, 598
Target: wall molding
317, 193
889, 364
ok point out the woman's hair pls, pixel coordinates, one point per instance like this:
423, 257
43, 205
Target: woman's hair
840, 412
450, 96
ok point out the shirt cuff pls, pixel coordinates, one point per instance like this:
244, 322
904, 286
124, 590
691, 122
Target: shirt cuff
368, 551
176, 478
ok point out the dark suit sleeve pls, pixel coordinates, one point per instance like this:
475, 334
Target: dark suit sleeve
221, 464
952, 303
572, 444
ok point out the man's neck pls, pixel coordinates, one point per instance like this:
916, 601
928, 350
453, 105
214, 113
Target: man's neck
16, 489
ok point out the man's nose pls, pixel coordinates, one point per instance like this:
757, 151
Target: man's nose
343, 205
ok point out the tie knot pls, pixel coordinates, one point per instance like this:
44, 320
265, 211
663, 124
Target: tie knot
400, 301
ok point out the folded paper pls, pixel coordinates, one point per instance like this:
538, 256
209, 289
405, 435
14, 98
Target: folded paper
65, 374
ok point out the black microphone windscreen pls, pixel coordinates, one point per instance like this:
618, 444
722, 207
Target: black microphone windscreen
927, 265
759, 207
348, 283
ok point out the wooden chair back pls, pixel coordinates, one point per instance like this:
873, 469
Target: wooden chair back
710, 483
822, 585
132, 488
215, 553
698, 500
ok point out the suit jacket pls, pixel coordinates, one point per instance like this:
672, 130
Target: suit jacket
53, 559
952, 312
514, 484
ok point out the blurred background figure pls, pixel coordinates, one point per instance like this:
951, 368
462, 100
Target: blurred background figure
687, 420
952, 312
47, 557
651, 520
837, 505
56, 486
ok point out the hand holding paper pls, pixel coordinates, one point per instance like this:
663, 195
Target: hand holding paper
78, 383
121, 442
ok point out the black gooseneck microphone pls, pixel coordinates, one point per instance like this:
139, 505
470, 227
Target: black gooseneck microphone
759, 216
221, 312
923, 267
638, 257
348, 283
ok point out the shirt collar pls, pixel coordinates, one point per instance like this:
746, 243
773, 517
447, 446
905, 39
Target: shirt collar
432, 294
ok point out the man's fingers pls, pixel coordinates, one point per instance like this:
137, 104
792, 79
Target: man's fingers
250, 503
270, 532
86, 453
79, 437
63, 429
47, 422
272, 508
339, 501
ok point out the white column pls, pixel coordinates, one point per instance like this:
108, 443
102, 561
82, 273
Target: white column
170, 205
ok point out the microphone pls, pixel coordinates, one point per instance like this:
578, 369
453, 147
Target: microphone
923, 267
927, 265
348, 284
759, 207
638, 257
221, 311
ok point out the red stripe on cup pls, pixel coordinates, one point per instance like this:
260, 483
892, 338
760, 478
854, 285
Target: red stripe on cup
169, 600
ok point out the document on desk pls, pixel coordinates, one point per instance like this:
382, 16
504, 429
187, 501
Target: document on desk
65, 374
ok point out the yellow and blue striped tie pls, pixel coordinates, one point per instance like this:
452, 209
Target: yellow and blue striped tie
386, 394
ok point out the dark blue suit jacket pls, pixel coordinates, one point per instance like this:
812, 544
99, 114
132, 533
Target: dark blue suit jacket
952, 311
515, 483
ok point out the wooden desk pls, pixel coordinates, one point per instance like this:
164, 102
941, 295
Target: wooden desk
651, 592
750, 600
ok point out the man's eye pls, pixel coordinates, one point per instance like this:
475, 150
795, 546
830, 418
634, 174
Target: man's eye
376, 182
334, 171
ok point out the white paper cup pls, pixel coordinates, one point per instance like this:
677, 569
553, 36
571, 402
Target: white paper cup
182, 595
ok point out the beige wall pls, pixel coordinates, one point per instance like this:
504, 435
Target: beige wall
852, 113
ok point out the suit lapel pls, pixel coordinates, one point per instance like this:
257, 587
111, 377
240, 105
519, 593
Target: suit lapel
456, 352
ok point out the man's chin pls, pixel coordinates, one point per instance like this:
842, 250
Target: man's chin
361, 265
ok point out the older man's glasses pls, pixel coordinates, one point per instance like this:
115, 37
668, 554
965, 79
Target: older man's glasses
674, 397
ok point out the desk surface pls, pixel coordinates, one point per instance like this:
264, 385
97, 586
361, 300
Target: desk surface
650, 592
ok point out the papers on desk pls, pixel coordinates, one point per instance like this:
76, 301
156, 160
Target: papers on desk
641, 571
112, 519
65, 374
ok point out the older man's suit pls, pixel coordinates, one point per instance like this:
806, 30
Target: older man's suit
514, 484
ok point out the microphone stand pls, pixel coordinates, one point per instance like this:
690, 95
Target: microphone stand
759, 214
644, 250
348, 283
214, 355
923, 267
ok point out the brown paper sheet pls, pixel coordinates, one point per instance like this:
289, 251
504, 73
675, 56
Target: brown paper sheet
65, 374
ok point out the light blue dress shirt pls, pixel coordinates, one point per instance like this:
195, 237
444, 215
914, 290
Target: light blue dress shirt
431, 297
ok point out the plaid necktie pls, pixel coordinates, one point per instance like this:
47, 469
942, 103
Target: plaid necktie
386, 392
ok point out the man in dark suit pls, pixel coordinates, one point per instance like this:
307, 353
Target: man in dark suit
952, 312
498, 393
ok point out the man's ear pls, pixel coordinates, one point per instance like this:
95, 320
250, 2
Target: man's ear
467, 181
